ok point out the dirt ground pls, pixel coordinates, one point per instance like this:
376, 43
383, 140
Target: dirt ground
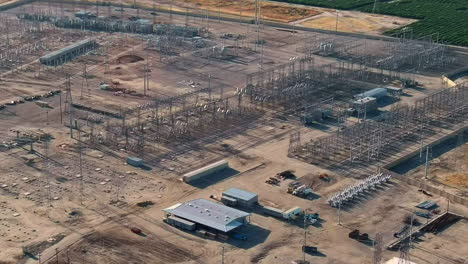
6, 1
449, 169
356, 22
272, 11
49, 203
314, 17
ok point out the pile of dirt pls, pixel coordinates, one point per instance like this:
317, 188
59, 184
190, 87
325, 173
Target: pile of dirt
129, 59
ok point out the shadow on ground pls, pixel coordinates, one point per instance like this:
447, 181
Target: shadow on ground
214, 178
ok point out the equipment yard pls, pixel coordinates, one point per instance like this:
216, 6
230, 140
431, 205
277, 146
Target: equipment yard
133, 135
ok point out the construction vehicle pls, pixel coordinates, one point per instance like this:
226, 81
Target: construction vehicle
273, 181
300, 190
324, 177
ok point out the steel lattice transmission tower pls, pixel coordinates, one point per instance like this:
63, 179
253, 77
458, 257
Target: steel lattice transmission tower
378, 249
406, 244
294, 141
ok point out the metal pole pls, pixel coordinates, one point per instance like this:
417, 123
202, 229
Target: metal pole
339, 213
222, 254
410, 234
336, 25
81, 167
427, 162
61, 114
305, 236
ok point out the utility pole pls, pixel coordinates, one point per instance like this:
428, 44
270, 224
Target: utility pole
336, 24
85, 80
46, 153
61, 113
135, 5
339, 213
69, 102
427, 162
81, 166
305, 237
222, 254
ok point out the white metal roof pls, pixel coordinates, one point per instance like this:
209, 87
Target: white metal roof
208, 213
396, 260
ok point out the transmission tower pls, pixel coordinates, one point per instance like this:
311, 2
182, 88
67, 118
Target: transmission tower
69, 104
294, 141
406, 244
378, 248
258, 18
146, 76
84, 81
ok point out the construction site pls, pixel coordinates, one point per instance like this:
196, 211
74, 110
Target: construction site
163, 132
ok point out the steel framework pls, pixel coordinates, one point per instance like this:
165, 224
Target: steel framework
372, 140
403, 53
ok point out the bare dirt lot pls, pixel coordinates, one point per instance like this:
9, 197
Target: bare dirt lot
271, 11
448, 169
356, 22
314, 17
72, 198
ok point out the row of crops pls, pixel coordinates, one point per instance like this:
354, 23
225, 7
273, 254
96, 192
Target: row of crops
448, 18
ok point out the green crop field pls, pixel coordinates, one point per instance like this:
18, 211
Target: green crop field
448, 18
